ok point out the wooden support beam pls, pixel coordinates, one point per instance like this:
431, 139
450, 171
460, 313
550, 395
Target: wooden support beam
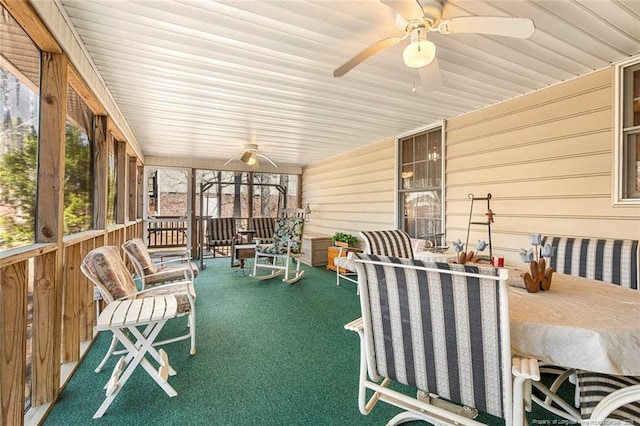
84, 92
121, 181
23, 13
133, 188
71, 305
53, 106
13, 347
47, 296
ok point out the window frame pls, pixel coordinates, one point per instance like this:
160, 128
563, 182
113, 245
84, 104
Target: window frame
622, 158
400, 191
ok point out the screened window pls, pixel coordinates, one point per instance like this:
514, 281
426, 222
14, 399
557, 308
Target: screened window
78, 182
19, 96
420, 185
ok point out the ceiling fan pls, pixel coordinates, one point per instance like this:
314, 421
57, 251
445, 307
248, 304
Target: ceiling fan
250, 156
416, 18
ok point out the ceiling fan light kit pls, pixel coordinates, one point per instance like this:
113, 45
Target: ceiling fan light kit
417, 17
250, 156
420, 52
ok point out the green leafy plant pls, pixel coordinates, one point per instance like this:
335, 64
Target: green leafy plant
345, 238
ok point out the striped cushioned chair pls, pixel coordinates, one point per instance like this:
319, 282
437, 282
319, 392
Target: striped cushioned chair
442, 330
221, 232
396, 243
616, 262
612, 261
264, 227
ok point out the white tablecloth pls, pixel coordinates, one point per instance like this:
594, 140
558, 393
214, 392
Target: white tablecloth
578, 323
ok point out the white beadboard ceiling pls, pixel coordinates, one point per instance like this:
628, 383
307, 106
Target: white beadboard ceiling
200, 78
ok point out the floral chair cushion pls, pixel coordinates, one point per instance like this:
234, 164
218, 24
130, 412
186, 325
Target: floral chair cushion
107, 266
138, 249
287, 233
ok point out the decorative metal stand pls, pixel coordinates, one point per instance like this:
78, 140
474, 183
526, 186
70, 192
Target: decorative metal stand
486, 223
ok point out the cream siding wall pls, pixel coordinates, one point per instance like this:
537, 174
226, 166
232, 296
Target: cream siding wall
352, 192
547, 160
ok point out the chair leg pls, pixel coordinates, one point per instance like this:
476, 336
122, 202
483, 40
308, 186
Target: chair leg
112, 348
192, 325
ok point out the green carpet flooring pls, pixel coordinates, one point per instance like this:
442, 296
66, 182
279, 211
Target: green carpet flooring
269, 353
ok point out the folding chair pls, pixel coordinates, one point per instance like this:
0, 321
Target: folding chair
105, 268
152, 273
442, 330
286, 246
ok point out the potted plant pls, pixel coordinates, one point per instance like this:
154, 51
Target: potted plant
344, 240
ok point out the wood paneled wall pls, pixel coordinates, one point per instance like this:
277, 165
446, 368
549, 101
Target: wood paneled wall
547, 160
352, 192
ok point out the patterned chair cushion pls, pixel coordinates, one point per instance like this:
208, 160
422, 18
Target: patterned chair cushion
288, 231
169, 274
137, 248
108, 267
594, 387
395, 243
184, 306
612, 261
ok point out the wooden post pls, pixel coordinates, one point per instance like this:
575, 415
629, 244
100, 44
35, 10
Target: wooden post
46, 326
48, 285
13, 347
133, 189
121, 181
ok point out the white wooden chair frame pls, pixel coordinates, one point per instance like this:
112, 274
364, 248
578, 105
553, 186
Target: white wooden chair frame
269, 261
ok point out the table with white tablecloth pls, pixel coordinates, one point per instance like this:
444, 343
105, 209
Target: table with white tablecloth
579, 323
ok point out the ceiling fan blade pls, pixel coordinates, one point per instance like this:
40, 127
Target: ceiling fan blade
408, 9
366, 53
494, 25
430, 77
268, 159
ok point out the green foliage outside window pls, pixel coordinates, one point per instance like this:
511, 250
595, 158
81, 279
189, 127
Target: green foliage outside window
78, 182
18, 177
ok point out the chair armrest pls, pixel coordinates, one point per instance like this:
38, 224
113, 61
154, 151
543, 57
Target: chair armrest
526, 368
356, 325
181, 260
180, 286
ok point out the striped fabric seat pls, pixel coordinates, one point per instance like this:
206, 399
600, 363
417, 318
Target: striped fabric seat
594, 387
264, 227
395, 243
612, 261
221, 232
438, 331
